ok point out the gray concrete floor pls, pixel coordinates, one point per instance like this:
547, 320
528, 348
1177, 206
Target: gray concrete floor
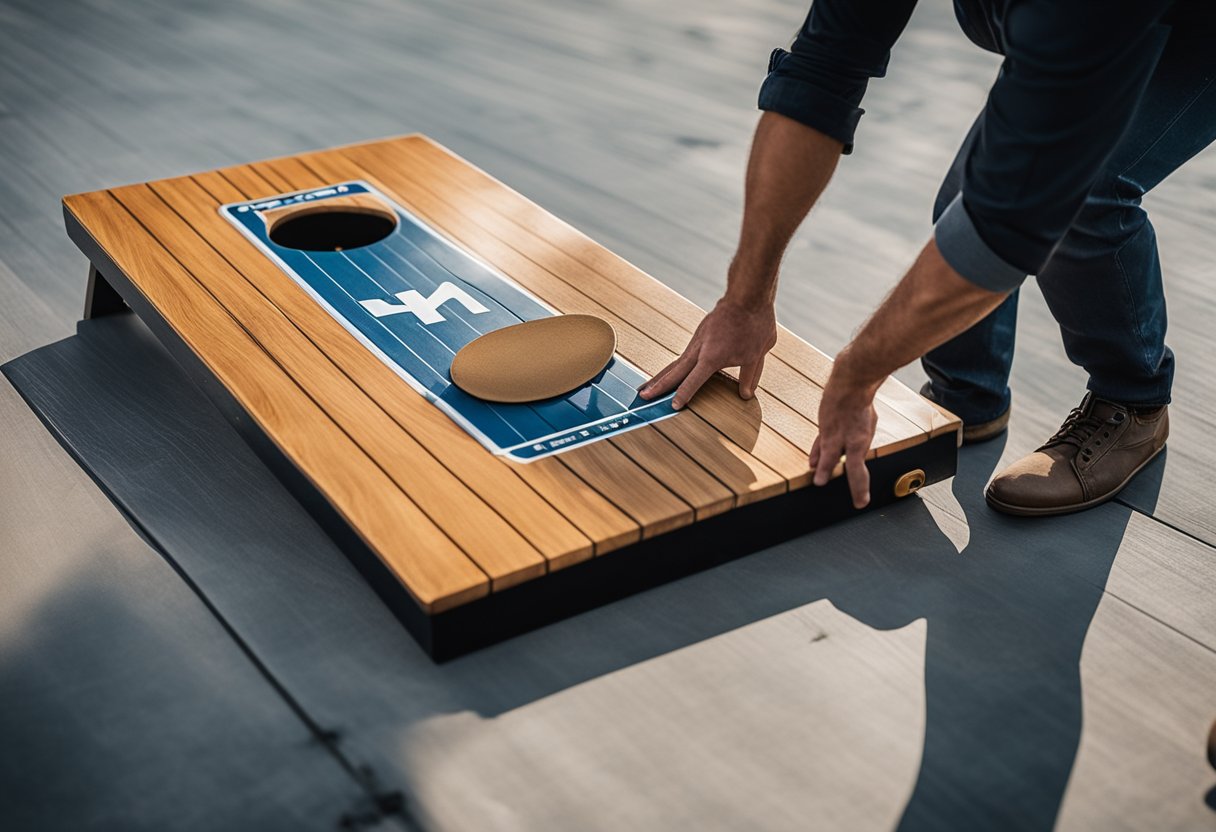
935, 666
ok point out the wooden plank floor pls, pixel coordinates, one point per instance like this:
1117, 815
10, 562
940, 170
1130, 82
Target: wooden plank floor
863, 675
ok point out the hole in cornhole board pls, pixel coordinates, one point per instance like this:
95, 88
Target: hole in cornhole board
338, 224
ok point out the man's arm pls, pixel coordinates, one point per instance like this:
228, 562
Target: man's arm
812, 99
789, 167
929, 306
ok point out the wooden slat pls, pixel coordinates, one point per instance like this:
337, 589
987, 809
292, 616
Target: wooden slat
505, 555
288, 170
390, 523
245, 179
638, 494
940, 419
745, 424
657, 504
724, 459
688, 479
544, 526
772, 451
899, 425
607, 526
267, 172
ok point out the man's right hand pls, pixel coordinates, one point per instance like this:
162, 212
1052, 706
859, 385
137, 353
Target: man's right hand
789, 166
731, 335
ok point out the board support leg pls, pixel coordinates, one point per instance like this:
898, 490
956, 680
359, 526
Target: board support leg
100, 299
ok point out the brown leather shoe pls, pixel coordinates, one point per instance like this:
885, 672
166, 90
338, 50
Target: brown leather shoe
975, 432
1096, 452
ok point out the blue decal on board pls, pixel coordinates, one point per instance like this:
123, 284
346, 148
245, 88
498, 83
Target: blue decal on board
414, 299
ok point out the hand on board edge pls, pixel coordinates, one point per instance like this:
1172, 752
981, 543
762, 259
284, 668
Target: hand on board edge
847, 421
731, 335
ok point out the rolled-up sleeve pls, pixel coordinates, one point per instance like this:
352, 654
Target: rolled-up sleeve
822, 78
1072, 79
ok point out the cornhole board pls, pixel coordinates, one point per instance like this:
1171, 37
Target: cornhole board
473, 521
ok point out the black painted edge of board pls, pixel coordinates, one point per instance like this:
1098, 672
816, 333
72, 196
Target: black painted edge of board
657, 560
566, 592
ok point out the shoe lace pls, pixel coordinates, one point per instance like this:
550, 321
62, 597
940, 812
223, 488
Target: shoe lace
1077, 429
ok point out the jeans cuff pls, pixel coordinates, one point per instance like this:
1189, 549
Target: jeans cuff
964, 249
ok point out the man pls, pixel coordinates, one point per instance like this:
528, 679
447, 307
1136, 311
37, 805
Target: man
1095, 103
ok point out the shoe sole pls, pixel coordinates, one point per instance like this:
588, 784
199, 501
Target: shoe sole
1029, 511
986, 431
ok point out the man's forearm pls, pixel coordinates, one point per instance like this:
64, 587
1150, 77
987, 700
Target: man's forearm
932, 304
789, 167
928, 307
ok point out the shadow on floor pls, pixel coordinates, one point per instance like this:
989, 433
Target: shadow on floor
1006, 616
109, 724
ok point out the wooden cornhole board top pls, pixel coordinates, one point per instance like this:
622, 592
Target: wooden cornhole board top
454, 514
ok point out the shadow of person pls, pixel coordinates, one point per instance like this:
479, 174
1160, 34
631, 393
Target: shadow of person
1006, 621
1007, 618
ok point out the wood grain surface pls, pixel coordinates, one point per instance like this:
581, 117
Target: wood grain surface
452, 520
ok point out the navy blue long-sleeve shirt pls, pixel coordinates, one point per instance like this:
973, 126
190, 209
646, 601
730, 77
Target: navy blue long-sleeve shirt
1072, 78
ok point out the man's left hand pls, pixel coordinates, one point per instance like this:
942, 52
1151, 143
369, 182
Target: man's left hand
731, 335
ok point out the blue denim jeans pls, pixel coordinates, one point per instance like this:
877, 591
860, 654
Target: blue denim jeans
1103, 281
